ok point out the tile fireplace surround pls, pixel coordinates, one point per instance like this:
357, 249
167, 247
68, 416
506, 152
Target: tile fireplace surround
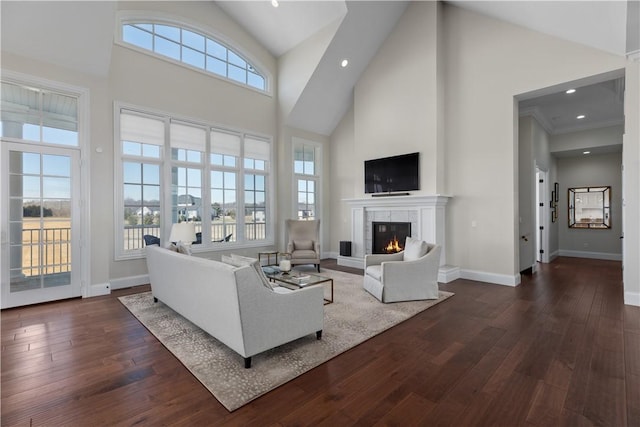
425, 213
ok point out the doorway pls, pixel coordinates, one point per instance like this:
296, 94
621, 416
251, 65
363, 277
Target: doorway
40, 212
542, 230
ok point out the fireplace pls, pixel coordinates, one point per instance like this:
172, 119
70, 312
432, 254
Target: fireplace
389, 237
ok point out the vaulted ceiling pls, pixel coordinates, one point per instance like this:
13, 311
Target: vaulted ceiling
52, 35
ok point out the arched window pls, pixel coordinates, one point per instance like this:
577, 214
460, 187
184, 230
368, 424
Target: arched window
193, 49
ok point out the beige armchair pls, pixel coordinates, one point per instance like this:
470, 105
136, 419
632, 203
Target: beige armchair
404, 276
304, 242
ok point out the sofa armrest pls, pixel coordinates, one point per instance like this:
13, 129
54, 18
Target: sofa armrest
376, 259
270, 319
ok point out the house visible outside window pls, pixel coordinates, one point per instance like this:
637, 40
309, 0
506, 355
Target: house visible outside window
193, 49
306, 160
225, 152
188, 144
200, 181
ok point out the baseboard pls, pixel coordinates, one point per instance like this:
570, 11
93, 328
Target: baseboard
497, 279
632, 298
448, 273
98, 290
553, 255
348, 261
127, 282
591, 255
332, 255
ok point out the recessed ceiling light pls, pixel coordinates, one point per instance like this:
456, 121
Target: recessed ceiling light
344, 63
275, 3
570, 91
580, 117
586, 152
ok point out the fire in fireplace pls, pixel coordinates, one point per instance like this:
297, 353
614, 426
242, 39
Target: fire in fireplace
389, 237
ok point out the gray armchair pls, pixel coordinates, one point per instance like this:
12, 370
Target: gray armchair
404, 276
304, 241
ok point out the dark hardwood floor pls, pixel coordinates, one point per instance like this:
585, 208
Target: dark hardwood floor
561, 349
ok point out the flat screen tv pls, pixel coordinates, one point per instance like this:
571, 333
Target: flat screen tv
392, 174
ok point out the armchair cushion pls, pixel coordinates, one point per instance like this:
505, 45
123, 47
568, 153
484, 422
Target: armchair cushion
414, 249
303, 254
375, 271
303, 245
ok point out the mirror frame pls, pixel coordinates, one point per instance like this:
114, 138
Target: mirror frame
602, 222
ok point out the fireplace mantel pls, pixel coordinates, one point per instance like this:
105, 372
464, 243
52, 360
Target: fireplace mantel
394, 201
425, 212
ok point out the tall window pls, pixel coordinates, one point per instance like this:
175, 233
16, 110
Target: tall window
205, 172
256, 158
188, 144
142, 141
306, 159
225, 152
193, 49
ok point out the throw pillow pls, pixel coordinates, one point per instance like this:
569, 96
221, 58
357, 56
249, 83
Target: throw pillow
414, 249
256, 266
184, 249
303, 245
172, 247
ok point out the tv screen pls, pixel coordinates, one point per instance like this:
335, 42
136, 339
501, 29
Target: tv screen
392, 174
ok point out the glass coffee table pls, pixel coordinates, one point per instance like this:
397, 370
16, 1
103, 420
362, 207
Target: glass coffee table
297, 280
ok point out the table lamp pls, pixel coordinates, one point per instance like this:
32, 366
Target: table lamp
184, 232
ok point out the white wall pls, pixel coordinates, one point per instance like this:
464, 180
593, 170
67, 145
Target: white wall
533, 153
488, 63
591, 171
345, 179
631, 161
396, 99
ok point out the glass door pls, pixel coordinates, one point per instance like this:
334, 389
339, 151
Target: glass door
40, 237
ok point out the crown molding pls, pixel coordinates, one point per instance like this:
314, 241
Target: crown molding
535, 113
609, 123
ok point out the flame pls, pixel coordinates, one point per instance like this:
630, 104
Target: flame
393, 246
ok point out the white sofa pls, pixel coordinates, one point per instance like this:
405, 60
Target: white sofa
233, 304
404, 276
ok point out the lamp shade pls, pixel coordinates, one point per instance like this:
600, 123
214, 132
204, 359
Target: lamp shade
184, 232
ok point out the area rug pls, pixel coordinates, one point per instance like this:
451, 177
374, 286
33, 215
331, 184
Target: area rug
351, 319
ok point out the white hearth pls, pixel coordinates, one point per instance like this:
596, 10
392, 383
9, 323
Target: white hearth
425, 213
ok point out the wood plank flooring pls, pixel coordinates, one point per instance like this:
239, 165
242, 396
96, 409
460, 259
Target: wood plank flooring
561, 349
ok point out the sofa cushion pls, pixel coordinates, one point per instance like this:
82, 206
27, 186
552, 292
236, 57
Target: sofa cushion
282, 290
414, 249
253, 262
303, 245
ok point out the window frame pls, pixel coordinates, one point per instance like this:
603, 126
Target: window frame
166, 204
83, 118
316, 176
142, 18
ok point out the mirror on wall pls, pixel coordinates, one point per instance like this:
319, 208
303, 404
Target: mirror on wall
590, 207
